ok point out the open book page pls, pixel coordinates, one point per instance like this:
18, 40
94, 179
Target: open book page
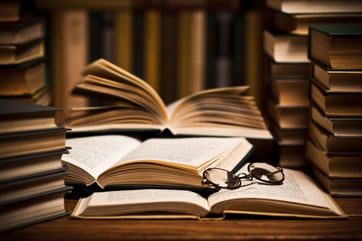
298, 193
95, 154
188, 153
129, 103
258, 199
125, 82
223, 110
144, 201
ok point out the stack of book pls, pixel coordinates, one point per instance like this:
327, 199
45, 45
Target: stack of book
287, 102
22, 65
31, 171
335, 134
286, 44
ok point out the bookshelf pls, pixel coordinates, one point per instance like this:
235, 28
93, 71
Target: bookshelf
179, 47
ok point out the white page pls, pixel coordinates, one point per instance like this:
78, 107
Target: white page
97, 153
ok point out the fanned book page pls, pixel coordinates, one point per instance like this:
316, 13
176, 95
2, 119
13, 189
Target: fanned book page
126, 102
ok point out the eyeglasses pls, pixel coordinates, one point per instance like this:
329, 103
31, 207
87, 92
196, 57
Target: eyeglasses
262, 171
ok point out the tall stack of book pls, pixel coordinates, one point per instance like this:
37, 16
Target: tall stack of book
335, 129
22, 65
287, 101
31, 171
286, 44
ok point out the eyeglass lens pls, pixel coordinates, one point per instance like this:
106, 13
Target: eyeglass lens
222, 178
266, 172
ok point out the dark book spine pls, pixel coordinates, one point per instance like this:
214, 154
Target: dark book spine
138, 46
169, 59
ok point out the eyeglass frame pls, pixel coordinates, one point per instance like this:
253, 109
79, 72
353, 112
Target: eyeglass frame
244, 176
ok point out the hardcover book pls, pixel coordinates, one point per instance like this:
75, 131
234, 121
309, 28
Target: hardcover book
336, 46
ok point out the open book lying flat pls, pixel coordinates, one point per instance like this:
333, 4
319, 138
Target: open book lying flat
298, 196
129, 103
117, 160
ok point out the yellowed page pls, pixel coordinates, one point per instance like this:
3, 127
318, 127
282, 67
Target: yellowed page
187, 152
104, 69
297, 188
128, 202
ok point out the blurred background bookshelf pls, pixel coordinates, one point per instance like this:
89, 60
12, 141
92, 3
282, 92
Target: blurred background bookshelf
179, 47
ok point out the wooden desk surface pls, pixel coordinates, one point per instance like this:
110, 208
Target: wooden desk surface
247, 228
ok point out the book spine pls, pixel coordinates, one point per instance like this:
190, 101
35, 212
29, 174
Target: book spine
124, 38
198, 38
69, 56
184, 51
169, 56
152, 41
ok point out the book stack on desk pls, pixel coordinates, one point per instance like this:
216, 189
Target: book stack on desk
286, 44
22, 65
287, 101
31, 171
335, 134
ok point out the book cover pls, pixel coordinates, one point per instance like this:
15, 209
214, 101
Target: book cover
336, 46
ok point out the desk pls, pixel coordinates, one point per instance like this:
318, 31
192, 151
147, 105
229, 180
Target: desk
248, 228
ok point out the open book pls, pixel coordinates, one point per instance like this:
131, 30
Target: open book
126, 102
118, 160
298, 196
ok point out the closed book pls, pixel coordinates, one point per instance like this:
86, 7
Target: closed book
31, 142
38, 208
336, 46
295, 136
20, 116
338, 80
315, 6
334, 165
332, 144
42, 96
337, 125
289, 70
17, 54
23, 31
292, 92
291, 155
299, 23
336, 103
339, 187
29, 166
289, 116
283, 47
22, 79
25, 188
